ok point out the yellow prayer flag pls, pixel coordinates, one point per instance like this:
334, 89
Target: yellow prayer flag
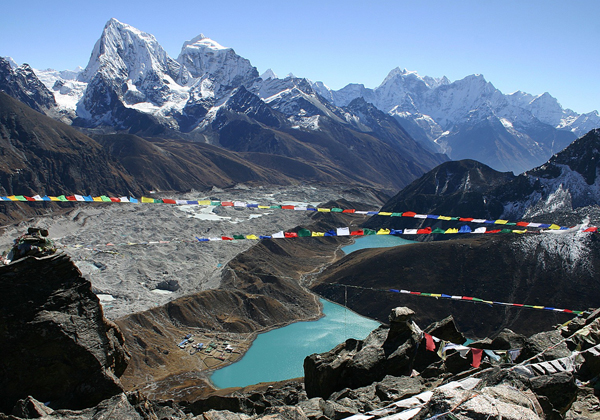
383, 232
324, 210
144, 200
318, 234
451, 230
520, 231
445, 218
436, 295
13, 198
501, 222
384, 213
264, 207
52, 198
204, 203
554, 227
97, 199
251, 237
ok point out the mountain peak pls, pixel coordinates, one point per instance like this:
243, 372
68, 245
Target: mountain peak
204, 42
269, 74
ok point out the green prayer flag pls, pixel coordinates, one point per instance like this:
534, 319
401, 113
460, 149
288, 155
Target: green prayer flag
62, 198
438, 230
239, 237
336, 210
367, 231
105, 198
304, 233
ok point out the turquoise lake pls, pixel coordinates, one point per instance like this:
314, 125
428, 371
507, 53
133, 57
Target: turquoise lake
375, 241
279, 354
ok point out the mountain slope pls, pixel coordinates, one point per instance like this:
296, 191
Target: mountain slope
43, 156
547, 270
568, 181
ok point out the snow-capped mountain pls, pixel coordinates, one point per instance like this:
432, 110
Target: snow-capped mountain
568, 182
21, 83
470, 118
131, 84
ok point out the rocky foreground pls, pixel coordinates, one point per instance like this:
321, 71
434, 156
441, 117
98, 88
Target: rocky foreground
60, 359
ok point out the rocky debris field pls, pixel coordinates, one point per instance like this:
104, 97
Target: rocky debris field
130, 277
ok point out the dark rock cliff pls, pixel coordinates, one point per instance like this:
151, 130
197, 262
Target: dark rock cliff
55, 343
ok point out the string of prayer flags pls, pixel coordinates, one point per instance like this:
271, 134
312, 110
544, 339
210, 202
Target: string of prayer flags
489, 302
301, 207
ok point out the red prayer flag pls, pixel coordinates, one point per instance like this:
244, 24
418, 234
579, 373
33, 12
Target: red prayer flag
290, 234
288, 207
425, 231
591, 229
476, 357
227, 203
523, 224
465, 219
115, 200
429, 344
409, 214
226, 238
71, 198
167, 201
357, 232
349, 211
29, 198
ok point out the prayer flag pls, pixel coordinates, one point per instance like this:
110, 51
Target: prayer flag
343, 231
429, 344
476, 354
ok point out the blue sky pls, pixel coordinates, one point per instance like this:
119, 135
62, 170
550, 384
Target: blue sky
535, 46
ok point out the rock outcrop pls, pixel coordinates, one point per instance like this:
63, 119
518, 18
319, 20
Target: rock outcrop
542, 386
55, 344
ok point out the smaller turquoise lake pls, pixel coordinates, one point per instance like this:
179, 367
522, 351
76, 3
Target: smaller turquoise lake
375, 241
279, 354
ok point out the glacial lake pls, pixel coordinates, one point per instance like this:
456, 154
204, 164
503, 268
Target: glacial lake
375, 241
279, 354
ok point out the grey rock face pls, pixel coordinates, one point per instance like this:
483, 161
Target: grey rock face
357, 363
55, 343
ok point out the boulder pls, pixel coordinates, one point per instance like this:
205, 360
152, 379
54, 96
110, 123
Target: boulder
282, 413
498, 402
555, 392
30, 408
55, 344
357, 363
542, 341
